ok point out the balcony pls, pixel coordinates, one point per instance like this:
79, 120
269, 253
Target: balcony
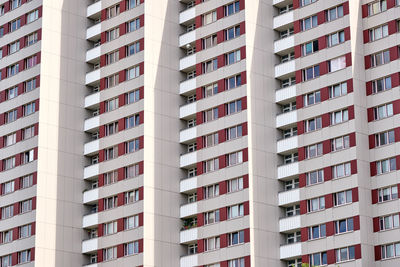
187, 38
287, 144
287, 118
92, 123
289, 197
187, 86
283, 44
91, 171
190, 260
93, 9
90, 245
187, 62
93, 32
188, 159
290, 251
288, 170
92, 100
92, 77
189, 235
188, 134
289, 223
91, 196
93, 53
187, 15
90, 220
283, 20
91, 147
188, 184
187, 110
285, 94
188, 210
284, 69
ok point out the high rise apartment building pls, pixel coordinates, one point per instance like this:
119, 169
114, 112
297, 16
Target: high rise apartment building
211, 133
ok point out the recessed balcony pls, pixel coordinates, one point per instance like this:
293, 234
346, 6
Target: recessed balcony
187, 38
92, 100
187, 62
188, 210
90, 245
290, 251
90, 220
288, 144
190, 260
91, 196
289, 224
288, 170
188, 159
284, 69
188, 134
92, 77
187, 86
93, 33
283, 44
285, 94
91, 171
287, 118
93, 9
92, 123
93, 54
187, 110
188, 184
283, 20
289, 197
189, 235
187, 15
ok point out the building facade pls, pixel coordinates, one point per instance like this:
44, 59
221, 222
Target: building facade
212, 133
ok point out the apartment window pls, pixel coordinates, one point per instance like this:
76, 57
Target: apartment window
233, 82
211, 217
212, 243
287, 159
390, 250
312, 98
235, 238
210, 115
9, 163
378, 32
306, 2
286, 33
310, 73
339, 116
212, 165
112, 80
334, 13
110, 228
6, 237
192, 249
235, 184
112, 57
232, 57
386, 165
235, 211
343, 226
342, 198
26, 206
292, 211
294, 263
191, 123
14, 4
8, 187
211, 191
6, 261
314, 177
26, 181
313, 124
337, 64
316, 204
341, 170
380, 85
383, 111
317, 231
2, 8
336, 38
110, 177
340, 143
112, 34
132, 3
110, 202
132, 121
15, 25
308, 23
133, 25
209, 17
287, 57
234, 132
12, 70
232, 8
313, 151
32, 16
131, 196
210, 65
132, 97
387, 193
380, 58
338, 90
12, 92
133, 49
24, 256
309, 48
211, 139
132, 73
318, 259
30, 85
291, 184
131, 222
289, 132
209, 41
389, 222
131, 248
112, 11
236, 263
7, 212
27, 157
31, 39
1, 31
232, 33
132, 171
235, 158
233, 107
377, 7
110, 253
29, 109
111, 128
111, 104
10, 139
293, 238
384, 138
110, 153
13, 47
345, 254
210, 90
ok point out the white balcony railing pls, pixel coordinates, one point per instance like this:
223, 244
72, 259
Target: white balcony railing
286, 119
92, 123
188, 210
283, 19
90, 220
91, 171
187, 110
285, 93
92, 76
187, 38
93, 31
289, 197
287, 144
188, 134
91, 147
288, 170
186, 15
187, 62
284, 44
289, 223
187, 86
90, 245
290, 251
285, 68
90, 196
190, 261
188, 184
93, 9
91, 100
189, 235
93, 53
188, 159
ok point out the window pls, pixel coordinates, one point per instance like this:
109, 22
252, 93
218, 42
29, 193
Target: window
287, 57
14, 4
380, 58
132, 49
293, 238
377, 7
309, 48
210, 115
386, 165
210, 90
316, 204
234, 132
334, 13
235, 211
313, 151
110, 202
292, 211
232, 57
306, 2
288, 159
27, 156
209, 17
389, 222
308, 23
211, 191
388, 193
132, 3
2, 8
9, 163
345, 254
383, 111
32, 16
312, 98
25, 231
233, 82
110, 253
390, 250
12, 92
314, 177
234, 158
318, 231
131, 222
235, 184
317, 259
288, 107
192, 249
112, 80
378, 32
30, 85
236, 263
110, 177
110, 228
15, 25
339, 116
341, 170
29, 109
7, 212
294, 262
10, 139
232, 8
112, 57
7, 187
26, 206
210, 65
233, 107
288, 82
6, 261
212, 165
313, 124
31, 39
384, 138
24, 256
132, 171
211, 217
132, 97
26, 181
6, 236
133, 25
212, 243
343, 226
380, 85
132, 121
337, 64
131, 196
340, 143
291, 184
13, 47
132, 73
210, 140
232, 33
112, 34
344, 197
310, 73
338, 90
110, 153
111, 104
235, 238
112, 11
209, 41
12, 70
289, 132
111, 128
131, 248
